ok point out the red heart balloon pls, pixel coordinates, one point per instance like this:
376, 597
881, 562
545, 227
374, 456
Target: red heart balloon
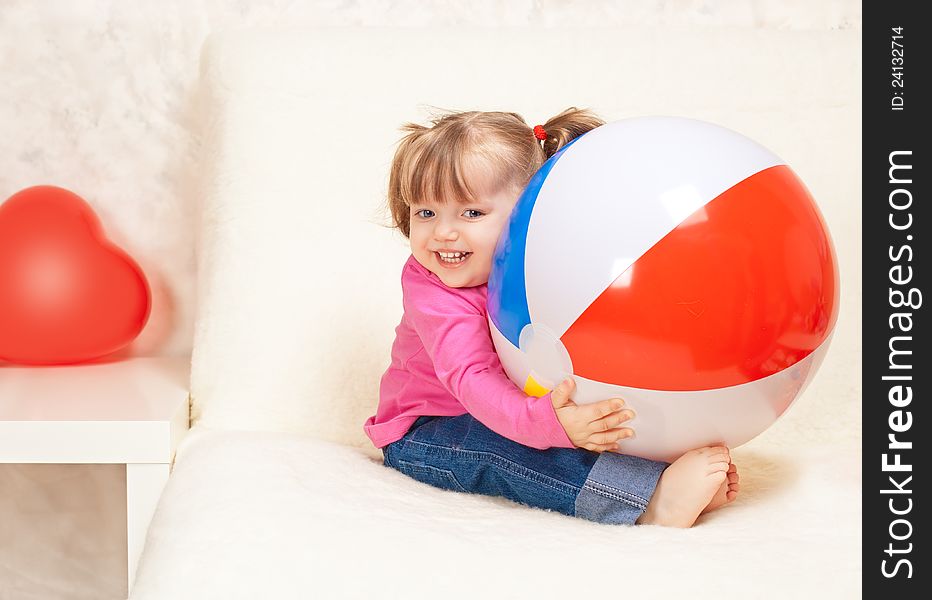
67, 294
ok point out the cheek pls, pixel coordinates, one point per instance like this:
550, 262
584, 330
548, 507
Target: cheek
416, 238
491, 235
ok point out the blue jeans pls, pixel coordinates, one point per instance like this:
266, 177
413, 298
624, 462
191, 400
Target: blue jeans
462, 454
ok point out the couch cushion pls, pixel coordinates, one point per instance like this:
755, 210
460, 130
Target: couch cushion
271, 515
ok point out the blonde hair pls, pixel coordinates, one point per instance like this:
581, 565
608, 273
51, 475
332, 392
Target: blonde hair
436, 163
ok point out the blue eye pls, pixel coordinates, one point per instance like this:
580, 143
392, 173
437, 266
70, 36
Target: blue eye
472, 213
425, 213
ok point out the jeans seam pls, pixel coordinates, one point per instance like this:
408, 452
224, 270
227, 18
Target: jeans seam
615, 494
501, 461
446, 473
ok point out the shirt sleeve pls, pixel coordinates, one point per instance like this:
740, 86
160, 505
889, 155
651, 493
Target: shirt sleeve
456, 336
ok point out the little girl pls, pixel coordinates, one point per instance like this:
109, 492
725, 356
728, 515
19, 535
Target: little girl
448, 415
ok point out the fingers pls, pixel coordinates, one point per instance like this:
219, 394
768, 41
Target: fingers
601, 447
562, 395
612, 421
607, 441
604, 430
600, 410
611, 436
597, 424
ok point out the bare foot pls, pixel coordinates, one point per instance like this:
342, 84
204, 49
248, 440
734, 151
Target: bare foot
727, 492
687, 486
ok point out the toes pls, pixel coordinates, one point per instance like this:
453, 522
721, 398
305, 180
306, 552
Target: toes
716, 451
730, 495
732, 476
733, 468
719, 467
719, 473
716, 459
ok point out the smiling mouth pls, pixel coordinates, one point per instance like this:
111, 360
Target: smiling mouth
452, 259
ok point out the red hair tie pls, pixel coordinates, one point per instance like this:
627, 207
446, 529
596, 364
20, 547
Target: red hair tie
539, 132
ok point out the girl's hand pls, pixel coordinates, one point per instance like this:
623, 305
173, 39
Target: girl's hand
591, 426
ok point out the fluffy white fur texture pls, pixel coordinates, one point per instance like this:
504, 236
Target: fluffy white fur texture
276, 492
271, 515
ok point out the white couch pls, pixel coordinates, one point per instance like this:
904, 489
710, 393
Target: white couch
276, 492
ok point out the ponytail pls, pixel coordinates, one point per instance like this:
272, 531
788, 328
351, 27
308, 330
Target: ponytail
567, 126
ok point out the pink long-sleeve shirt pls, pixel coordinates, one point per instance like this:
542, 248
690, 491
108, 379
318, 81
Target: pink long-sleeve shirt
444, 364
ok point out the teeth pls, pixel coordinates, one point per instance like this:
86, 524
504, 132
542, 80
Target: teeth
453, 257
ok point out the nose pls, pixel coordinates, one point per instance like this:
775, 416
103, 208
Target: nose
445, 232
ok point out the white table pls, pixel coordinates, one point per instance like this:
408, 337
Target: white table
132, 411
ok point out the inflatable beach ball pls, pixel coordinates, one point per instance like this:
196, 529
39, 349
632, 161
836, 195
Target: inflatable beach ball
675, 264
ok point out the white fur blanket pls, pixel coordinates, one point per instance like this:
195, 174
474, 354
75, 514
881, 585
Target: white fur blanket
261, 515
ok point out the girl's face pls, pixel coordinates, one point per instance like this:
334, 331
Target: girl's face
455, 241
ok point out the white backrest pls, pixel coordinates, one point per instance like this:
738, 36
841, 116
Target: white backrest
298, 279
